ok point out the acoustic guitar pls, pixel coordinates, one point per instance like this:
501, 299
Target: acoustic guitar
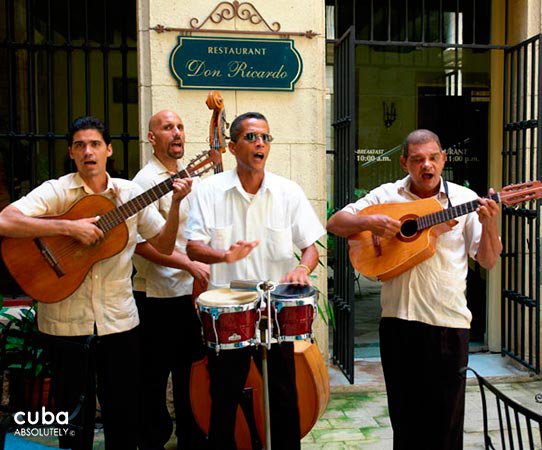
422, 222
49, 269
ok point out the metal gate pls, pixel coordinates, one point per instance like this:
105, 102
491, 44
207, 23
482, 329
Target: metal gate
522, 161
344, 167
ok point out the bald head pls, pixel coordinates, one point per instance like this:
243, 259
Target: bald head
166, 135
165, 114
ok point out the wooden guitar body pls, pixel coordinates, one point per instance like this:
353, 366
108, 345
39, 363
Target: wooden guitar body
312, 394
383, 258
47, 282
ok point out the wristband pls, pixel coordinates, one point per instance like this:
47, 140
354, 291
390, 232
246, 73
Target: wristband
304, 266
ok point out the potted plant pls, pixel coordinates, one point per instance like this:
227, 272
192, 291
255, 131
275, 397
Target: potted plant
22, 356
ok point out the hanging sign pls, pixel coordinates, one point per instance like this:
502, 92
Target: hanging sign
235, 63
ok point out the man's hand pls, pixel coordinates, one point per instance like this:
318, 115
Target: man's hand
181, 188
85, 230
239, 250
488, 210
299, 275
382, 225
199, 271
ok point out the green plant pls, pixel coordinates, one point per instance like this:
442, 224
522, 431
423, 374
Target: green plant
19, 336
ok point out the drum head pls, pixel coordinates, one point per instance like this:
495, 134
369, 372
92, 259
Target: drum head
226, 297
293, 291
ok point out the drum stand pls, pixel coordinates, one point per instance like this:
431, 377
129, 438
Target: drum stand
266, 287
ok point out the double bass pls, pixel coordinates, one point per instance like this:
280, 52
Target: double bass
217, 145
312, 380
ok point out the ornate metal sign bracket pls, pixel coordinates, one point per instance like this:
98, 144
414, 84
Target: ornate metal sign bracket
229, 11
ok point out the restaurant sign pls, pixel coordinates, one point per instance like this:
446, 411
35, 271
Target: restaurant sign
235, 63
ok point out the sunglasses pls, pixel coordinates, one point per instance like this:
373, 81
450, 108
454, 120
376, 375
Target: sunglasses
252, 137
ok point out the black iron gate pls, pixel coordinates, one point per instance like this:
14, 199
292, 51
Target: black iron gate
60, 59
522, 161
344, 167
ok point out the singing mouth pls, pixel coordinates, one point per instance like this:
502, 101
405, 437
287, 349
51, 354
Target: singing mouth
87, 163
259, 155
427, 176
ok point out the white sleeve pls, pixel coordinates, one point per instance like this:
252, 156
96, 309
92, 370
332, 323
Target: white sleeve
306, 227
196, 227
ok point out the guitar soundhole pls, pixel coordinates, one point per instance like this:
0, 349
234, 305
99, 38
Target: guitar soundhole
409, 228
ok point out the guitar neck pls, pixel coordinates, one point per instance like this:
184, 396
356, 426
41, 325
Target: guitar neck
432, 219
120, 214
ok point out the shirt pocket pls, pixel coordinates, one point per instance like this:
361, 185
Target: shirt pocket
221, 237
279, 244
119, 300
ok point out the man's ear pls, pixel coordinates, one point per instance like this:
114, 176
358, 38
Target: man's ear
109, 150
402, 160
70, 153
151, 137
231, 146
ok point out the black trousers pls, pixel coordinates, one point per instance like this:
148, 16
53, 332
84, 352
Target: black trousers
426, 391
229, 370
110, 370
172, 340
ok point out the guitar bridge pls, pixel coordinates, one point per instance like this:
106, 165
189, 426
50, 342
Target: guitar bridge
376, 245
49, 257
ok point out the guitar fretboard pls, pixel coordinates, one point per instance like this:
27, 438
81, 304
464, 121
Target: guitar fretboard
118, 215
432, 219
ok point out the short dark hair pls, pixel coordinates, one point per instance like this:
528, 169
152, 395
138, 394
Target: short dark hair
417, 137
236, 125
88, 123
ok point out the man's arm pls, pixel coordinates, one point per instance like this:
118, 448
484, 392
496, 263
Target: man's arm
177, 260
490, 246
344, 224
198, 251
307, 263
13, 223
164, 241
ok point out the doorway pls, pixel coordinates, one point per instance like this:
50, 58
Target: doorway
446, 91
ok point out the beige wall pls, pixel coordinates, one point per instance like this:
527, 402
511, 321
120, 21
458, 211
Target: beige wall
524, 18
296, 118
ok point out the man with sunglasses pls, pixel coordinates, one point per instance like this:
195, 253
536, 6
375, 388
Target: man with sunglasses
245, 223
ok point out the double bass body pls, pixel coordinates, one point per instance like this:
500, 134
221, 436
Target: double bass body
312, 394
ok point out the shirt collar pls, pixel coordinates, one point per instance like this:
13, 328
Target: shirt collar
76, 182
404, 188
160, 168
233, 182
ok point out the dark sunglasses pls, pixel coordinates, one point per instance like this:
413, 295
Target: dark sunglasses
251, 137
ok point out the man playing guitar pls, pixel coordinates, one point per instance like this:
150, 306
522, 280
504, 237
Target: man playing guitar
424, 330
103, 304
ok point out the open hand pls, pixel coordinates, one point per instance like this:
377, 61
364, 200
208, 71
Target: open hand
239, 250
298, 275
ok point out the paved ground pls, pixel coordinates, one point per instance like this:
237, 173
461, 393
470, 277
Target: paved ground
360, 420
357, 416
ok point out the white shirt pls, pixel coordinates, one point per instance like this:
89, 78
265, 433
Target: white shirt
156, 280
279, 216
105, 296
433, 291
